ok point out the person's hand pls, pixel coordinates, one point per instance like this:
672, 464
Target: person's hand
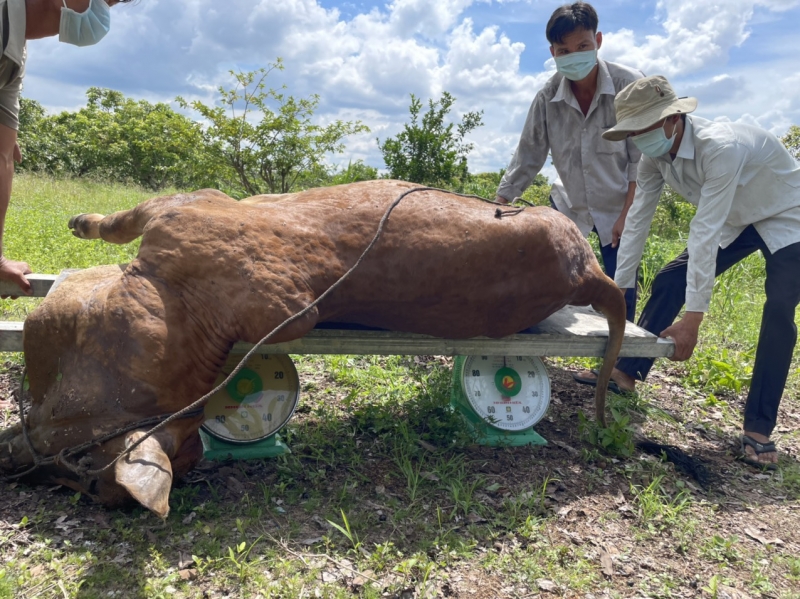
14, 272
684, 334
17, 154
616, 230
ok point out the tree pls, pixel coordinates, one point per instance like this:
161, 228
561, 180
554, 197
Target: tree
269, 156
431, 152
792, 141
117, 138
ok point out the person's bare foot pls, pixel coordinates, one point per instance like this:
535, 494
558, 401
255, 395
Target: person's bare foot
624, 381
765, 458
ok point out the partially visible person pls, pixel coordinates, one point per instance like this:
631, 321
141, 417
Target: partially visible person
746, 186
567, 118
77, 22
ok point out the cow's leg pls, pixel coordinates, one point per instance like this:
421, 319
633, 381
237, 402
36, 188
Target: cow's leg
127, 225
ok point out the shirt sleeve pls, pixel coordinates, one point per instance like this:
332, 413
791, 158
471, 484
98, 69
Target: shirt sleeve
634, 156
649, 184
531, 152
722, 169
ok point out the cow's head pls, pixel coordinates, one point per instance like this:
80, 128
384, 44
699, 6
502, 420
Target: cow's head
95, 351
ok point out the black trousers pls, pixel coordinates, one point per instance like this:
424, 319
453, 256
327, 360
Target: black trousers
609, 256
778, 334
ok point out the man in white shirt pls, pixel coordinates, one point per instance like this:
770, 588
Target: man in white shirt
567, 118
77, 22
746, 187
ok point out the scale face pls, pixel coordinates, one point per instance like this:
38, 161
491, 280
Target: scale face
510, 393
258, 401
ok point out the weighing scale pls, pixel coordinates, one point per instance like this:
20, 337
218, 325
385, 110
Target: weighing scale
501, 397
244, 417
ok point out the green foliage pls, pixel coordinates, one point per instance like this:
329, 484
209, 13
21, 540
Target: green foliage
270, 154
616, 438
485, 185
792, 141
713, 370
116, 138
431, 151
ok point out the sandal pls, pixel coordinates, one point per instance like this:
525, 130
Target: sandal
759, 448
612, 386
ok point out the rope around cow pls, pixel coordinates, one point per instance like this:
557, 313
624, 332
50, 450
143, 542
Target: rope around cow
81, 468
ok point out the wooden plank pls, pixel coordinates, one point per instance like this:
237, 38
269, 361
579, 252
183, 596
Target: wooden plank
11, 336
334, 341
41, 285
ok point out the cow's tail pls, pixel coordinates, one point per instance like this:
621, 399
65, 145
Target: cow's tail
127, 225
610, 301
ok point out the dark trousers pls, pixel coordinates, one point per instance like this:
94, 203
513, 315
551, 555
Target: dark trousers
778, 334
609, 256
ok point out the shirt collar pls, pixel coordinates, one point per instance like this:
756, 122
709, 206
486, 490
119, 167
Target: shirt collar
15, 49
686, 149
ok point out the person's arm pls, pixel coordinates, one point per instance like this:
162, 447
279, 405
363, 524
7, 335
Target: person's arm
647, 193
634, 157
10, 270
619, 225
722, 171
530, 155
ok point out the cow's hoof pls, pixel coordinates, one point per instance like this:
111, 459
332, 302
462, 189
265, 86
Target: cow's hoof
86, 226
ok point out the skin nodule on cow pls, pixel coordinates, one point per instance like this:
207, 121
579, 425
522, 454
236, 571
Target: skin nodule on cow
114, 345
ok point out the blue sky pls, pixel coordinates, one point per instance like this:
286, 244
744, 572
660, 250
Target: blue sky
738, 57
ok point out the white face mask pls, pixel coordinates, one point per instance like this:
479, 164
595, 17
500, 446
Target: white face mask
87, 27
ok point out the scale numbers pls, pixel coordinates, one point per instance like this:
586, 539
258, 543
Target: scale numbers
256, 403
511, 393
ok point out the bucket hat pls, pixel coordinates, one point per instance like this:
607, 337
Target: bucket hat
645, 102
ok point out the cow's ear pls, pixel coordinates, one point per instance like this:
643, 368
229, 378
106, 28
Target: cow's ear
146, 473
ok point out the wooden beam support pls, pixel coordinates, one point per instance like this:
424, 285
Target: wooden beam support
41, 285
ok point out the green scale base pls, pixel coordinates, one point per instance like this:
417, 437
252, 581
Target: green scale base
215, 449
483, 432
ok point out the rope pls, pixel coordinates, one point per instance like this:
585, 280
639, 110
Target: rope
196, 407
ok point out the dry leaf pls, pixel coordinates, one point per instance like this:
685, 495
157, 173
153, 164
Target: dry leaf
426, 445
189, 574
607, 564
311, 541
546, 585
754, 534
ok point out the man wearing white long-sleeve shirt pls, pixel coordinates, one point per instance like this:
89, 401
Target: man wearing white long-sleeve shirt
566, 119
746, 187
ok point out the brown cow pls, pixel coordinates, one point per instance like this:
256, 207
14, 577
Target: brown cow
114, 345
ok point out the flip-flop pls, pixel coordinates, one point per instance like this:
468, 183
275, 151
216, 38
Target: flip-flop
759, 448
612, 386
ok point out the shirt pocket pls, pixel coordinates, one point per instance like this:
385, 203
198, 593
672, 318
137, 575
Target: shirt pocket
606, 146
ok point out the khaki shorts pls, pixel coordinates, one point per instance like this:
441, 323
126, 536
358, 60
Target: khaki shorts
10, 85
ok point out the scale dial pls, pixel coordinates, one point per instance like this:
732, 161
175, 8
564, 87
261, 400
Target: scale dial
510, 393
256, 403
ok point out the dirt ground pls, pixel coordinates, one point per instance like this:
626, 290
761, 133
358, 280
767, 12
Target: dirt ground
599, 533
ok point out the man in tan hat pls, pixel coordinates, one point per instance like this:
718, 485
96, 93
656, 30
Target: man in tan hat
566, 119
746, 187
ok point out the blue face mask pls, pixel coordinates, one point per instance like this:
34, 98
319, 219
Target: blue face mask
576, 65
87, 27
654, 143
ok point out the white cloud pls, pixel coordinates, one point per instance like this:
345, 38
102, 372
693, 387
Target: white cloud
365, 64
